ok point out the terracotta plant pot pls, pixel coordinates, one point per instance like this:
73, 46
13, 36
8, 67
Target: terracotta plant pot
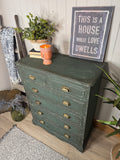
46, 54
114, 152
37, 43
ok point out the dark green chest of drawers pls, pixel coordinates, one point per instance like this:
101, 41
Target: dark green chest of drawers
62, 95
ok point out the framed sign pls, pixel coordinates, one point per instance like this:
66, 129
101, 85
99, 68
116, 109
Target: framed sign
89, 32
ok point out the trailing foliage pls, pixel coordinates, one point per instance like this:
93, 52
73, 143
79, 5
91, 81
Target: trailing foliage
38, 29
115, 102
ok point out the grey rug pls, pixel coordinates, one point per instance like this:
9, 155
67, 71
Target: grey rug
17, 145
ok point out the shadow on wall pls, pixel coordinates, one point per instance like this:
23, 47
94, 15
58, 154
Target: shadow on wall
104, 110
100, 105
66, 47
55, 49
114, 72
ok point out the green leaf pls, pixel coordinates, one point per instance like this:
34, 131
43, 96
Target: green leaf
28, 16
19, 30
118, 122
118, 106
117, 92
114, 133
107, 99
107, 122
114, 118
118, 155
110, 90
31, 15
110, 78
116, 102
110, 102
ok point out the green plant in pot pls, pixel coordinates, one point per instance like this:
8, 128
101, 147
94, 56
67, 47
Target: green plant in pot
19, 108
40, 31
115, 103
14, 101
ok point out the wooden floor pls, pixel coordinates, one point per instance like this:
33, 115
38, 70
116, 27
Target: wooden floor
98, 147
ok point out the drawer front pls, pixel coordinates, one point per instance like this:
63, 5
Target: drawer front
73, 140
57, 104
45, 93
59, 132
56, 83
68, 117
58, 121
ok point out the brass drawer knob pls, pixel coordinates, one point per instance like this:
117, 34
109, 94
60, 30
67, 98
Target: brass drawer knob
65, 89
40, 113
66, 103
37, 102
66, 135
66, 126
66, 115
34, 90
42, 122
32, 77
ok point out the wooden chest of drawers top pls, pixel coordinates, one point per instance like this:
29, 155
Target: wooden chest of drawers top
85, 72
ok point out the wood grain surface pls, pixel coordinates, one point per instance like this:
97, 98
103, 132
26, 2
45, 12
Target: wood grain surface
98, 147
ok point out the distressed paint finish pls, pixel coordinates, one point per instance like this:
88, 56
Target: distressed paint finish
61, 13
70, 121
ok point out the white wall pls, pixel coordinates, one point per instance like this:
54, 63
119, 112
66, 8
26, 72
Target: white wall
61, 11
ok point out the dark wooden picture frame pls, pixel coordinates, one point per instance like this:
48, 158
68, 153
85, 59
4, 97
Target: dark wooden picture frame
89, 32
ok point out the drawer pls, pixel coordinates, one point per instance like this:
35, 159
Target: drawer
58, 132
47, 92
57, 104
61, 85
73, 140
58, 121
68, 117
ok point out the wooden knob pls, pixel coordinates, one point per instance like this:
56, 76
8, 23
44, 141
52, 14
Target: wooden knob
66, 103
42, 122
65, 89
66, 115
37, 102
32, 77
66, 126
34, 90
67, 136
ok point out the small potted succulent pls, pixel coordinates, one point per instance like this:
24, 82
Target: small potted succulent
40, 31
115, 154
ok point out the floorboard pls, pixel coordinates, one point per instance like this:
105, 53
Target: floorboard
98, 147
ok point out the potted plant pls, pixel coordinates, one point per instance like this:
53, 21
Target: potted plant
115, 154
39, 32
14, 101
